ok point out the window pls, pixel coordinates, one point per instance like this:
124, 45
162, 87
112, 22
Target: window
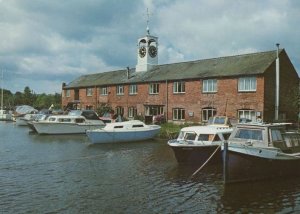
209, 86
103, 91
190, 136
120, 90
138, 126
247, 84
132, 112
153, 88
89, 92
120, 110
203, 137
178, 114
276, 135
208, 113
251, 134
178, 87
247, 114
133, 89
154, 110
68, 93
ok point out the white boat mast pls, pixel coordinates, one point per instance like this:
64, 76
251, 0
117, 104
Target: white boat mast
2, 91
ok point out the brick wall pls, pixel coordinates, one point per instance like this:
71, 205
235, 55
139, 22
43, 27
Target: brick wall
227, 100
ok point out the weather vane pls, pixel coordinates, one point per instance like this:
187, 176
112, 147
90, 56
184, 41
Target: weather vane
148, 19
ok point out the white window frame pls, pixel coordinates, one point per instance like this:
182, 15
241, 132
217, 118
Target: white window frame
120, 110
207, 113
153, 88
209, 86
133, 89
103, 91
132, 112
178, 114
247, 84
68, 93
179, 87
247, 114
120, 89
89, 92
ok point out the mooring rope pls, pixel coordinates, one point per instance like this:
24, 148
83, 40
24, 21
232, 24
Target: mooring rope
198, 170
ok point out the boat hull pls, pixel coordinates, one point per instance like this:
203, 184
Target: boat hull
240, 167
197, 154
103, 136
63, 128
6, 117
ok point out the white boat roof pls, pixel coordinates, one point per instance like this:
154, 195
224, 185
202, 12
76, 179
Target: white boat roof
207, 129
261, 124
124, 123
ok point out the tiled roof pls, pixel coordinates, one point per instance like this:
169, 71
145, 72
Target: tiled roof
239, 65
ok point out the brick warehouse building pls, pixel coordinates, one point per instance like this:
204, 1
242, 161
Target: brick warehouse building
242, 86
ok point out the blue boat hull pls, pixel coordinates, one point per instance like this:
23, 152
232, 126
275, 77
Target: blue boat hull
120, 136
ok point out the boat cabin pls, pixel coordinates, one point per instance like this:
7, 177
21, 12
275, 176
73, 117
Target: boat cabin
204, 133
267, 135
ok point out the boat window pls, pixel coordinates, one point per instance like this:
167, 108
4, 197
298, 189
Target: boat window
190, 136
220, 120
276, 135
136, 126
118, 127
216, 138
79, 120
66, 120
292, 140
203, 137
52, 119
181, 135
249, 134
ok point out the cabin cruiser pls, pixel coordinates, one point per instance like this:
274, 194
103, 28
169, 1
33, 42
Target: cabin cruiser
195, 144
76, 122
257, 151
127, 131
5, 115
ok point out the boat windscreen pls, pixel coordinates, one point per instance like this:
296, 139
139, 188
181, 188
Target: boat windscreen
251, 134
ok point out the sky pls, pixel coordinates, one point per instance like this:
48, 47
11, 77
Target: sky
46, 43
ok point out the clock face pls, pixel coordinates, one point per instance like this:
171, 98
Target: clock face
142, 52
152, 51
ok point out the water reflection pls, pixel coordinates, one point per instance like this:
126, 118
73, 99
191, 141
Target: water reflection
263, 197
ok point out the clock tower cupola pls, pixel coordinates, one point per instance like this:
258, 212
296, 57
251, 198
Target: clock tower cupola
147, 51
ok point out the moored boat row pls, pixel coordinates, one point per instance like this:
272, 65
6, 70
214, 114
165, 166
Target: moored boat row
254, 151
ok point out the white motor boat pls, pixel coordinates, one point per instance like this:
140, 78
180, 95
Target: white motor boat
257, 151
23, 120
68, 124
195, 144
127, 131
5, 115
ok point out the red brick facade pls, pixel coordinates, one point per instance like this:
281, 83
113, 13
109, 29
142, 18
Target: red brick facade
226, 101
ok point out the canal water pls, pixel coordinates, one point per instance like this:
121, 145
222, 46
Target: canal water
65, 174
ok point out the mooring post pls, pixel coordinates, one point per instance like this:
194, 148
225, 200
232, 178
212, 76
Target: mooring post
225, 162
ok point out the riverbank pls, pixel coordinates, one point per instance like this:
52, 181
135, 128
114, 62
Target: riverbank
171, 130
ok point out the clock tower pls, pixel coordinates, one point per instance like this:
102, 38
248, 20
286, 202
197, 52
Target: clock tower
147, 51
